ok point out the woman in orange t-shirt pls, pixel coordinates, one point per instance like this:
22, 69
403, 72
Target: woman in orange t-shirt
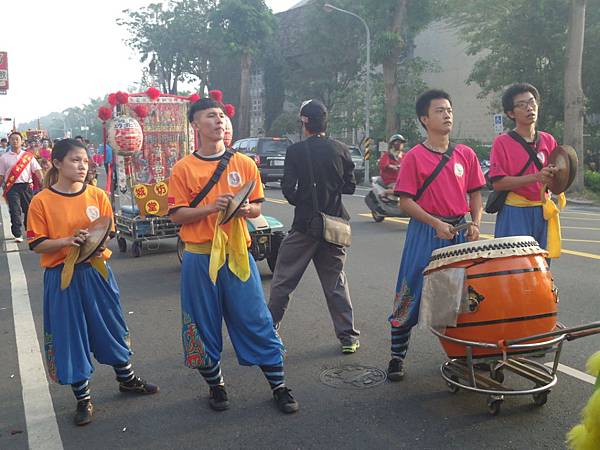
86, 316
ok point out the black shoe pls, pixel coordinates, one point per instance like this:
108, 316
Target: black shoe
218, 398
138, 386
395, 371
285, 402
84, 412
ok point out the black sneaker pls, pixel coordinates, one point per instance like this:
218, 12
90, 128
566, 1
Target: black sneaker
218, 398
395, 370
138, 386
285, 402
84, 412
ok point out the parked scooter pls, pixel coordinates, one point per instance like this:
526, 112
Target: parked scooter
266, 234
382, 205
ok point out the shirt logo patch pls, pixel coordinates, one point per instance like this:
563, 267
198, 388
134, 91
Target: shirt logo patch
92, 212
542, 157
234, 179
459, 170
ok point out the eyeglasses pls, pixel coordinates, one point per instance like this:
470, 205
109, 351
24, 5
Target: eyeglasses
524, 104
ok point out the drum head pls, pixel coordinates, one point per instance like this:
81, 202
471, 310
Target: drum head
98, 231
564, 158
237, 201
487, 248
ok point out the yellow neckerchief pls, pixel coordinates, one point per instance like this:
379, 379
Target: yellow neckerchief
551, 215
66, 274
234, 246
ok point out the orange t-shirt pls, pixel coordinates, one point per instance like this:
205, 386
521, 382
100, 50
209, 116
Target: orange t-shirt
192, 173
54, 215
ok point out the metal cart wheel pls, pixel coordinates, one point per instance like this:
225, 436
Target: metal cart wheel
377, 217
452, 387
541, 398
494, 404
136, 249
122, 244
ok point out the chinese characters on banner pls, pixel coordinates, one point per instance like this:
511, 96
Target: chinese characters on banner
151, 199
3, 72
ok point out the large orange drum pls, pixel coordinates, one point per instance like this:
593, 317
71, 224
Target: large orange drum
509, 292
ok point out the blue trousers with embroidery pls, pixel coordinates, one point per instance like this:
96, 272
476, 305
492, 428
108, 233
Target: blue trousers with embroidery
522, 221
204, 305
83, 319
420, 242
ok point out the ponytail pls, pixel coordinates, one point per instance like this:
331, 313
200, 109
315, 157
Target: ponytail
51, 177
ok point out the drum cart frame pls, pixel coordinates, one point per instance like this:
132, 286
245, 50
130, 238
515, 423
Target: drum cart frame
138, 230
463, 373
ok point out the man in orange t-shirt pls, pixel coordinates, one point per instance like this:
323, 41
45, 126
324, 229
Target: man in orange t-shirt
233, 297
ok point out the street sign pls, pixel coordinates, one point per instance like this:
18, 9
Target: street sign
3, 72
498, 123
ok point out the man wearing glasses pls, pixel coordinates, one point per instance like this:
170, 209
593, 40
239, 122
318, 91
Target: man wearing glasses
522, 171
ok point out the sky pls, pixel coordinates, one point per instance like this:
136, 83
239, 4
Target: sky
64, 52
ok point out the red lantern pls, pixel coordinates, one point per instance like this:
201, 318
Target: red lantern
125, 135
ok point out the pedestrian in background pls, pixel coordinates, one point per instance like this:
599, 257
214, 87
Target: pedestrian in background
333, 175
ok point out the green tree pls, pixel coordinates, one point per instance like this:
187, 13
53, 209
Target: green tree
173, 40
242, 29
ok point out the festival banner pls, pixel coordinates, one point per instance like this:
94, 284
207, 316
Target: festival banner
3, 71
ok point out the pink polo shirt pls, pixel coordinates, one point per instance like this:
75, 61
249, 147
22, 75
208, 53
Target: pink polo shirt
447, 194
508, 158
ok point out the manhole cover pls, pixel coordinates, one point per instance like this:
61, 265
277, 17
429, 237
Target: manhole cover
353, 377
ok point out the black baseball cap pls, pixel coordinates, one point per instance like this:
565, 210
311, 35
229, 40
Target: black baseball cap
313, 109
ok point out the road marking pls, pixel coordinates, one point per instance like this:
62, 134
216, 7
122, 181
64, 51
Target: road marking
276, 200
582, 254
42, 429
573, 372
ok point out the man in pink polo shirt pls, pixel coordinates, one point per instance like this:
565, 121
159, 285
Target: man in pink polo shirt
522, 214
436, 205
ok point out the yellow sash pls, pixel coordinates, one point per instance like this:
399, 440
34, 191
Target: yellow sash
66, 274
551, 215
223, 245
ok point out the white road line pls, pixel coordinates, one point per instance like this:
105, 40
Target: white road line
574, 373
42, 428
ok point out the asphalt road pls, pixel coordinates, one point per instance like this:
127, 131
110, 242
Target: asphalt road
418, 413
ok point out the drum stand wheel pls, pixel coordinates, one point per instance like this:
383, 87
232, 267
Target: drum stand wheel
541, 398
494, 404
453, 387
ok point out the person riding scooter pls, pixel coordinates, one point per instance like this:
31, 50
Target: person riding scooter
381, 199
389, 163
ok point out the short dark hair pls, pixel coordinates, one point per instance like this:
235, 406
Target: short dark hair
201, 105
79, 137
512, 91
316, 125
424, 101
15, 132
3, 140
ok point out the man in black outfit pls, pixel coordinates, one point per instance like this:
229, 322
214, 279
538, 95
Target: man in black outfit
333, 173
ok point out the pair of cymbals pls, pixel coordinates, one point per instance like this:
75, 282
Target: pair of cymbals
564, 159
98, 232
237, 201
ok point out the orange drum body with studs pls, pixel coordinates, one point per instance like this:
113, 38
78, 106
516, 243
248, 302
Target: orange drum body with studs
509, 292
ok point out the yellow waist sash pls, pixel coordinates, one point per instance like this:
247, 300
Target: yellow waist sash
551, 215
223, 245
66, 274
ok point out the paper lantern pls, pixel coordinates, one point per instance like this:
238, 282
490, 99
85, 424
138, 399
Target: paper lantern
125, 135
228, 136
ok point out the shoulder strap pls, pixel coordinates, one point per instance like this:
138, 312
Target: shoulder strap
445, 158
532, 155
214, 178
311, 177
